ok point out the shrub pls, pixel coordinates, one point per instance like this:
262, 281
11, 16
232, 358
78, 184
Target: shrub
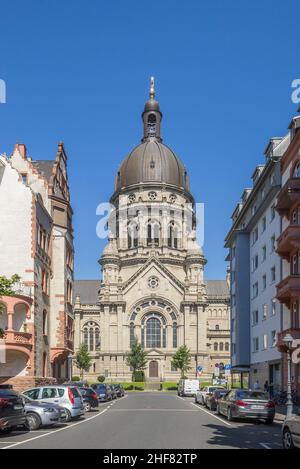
138, 376
101, 379
75, 378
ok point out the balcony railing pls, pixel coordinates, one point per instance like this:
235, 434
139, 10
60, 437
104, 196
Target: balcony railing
295, 333
218, 333
288, 241
288, 289
18, 338
20, 289
287, 196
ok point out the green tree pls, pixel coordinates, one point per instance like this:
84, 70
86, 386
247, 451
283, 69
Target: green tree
6, 289
136, 358
182, 360
83, 359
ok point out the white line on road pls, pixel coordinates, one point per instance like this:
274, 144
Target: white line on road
264, 445
153, 410
212, 415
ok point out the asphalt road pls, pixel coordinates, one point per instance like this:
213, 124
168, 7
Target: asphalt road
148, 421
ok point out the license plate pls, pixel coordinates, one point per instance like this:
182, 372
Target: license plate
18, 407
257, 407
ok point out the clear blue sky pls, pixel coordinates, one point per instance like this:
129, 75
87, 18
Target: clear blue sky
78, 71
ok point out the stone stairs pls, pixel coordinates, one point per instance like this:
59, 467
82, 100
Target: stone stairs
153, 385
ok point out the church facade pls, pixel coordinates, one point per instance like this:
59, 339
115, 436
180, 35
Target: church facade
152, 285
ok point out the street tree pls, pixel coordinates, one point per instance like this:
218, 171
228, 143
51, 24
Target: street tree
136, 358
182, 360
83, 359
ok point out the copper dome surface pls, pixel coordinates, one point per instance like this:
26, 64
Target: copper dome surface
152, 161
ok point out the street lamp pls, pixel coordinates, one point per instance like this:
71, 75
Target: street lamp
288, 341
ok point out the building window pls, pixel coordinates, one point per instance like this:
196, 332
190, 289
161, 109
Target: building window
255, 344
265, 342
216, 346
217, 327
254, 263
263, 224
273, 274
272, 212
131, 333
221, 346
254, 317
273, 306
255, 235
273, 338
255, 290
227, 347
295, 315
91, 336
45, 322
264, 312
155, 326
264, 253
174, 334
132, 231
264, 282
153, 233
297, 171
173, 236
24, 178
273, 243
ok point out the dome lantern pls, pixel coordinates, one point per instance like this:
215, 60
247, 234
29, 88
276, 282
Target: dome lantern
152, 116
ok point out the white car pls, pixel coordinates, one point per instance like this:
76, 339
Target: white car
200, 397
188, 387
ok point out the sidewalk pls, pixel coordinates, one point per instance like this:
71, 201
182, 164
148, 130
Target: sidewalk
281, 413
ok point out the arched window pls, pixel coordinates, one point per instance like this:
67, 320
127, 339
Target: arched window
154, 324
217, 327
91, 336
221, 346
131, 333
173, 236
216, 346
297, 171
227, 347
174, 334
132, 231
151, 125
153, 233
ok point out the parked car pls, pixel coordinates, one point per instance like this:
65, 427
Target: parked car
12, 412
68, 397
203, 393
244, 404
212, 399
188, 387
118, 389
90, 399
77, 384
291, 432
103, 391
42, 414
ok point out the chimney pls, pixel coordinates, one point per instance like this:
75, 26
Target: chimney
21, 147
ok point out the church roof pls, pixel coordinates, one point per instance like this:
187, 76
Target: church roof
44, 167
217, 289
87, 290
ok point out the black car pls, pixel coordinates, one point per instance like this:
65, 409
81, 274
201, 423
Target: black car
90, 399
12, 412
118, 390
103, 392
212, 399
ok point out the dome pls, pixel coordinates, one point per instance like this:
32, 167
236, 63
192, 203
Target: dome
152, 161
152, 105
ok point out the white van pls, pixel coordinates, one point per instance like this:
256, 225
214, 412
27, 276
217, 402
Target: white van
188, 387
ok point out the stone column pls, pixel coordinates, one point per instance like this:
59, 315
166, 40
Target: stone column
120, 327
187, 325
106, 328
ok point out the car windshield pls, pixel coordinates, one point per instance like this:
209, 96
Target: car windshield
252, 395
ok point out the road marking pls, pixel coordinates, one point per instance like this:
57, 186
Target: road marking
55, 431
212, 415
153, 410
264, 445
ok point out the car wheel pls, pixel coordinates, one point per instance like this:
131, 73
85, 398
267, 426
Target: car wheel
229, 415
196, 402
6, 431
33, 421
68, 415
87, 407
287, 439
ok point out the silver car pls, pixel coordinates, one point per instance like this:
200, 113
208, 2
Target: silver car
291, 432
40, 414
67, 397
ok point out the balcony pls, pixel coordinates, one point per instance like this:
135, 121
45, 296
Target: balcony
218, 333
22, 290
295, 333
288, 289
288, 241
12, 338
289, 194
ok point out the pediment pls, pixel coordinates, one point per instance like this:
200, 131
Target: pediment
154, 353
153, 267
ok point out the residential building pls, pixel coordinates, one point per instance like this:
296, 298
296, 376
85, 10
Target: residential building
36, 242
255, 270
288, 248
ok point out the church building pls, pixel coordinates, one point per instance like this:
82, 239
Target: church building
152, 285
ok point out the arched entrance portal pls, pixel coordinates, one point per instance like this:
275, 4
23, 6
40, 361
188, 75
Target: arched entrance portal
153, 369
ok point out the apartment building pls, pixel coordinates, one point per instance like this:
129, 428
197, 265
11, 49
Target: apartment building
255, 268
